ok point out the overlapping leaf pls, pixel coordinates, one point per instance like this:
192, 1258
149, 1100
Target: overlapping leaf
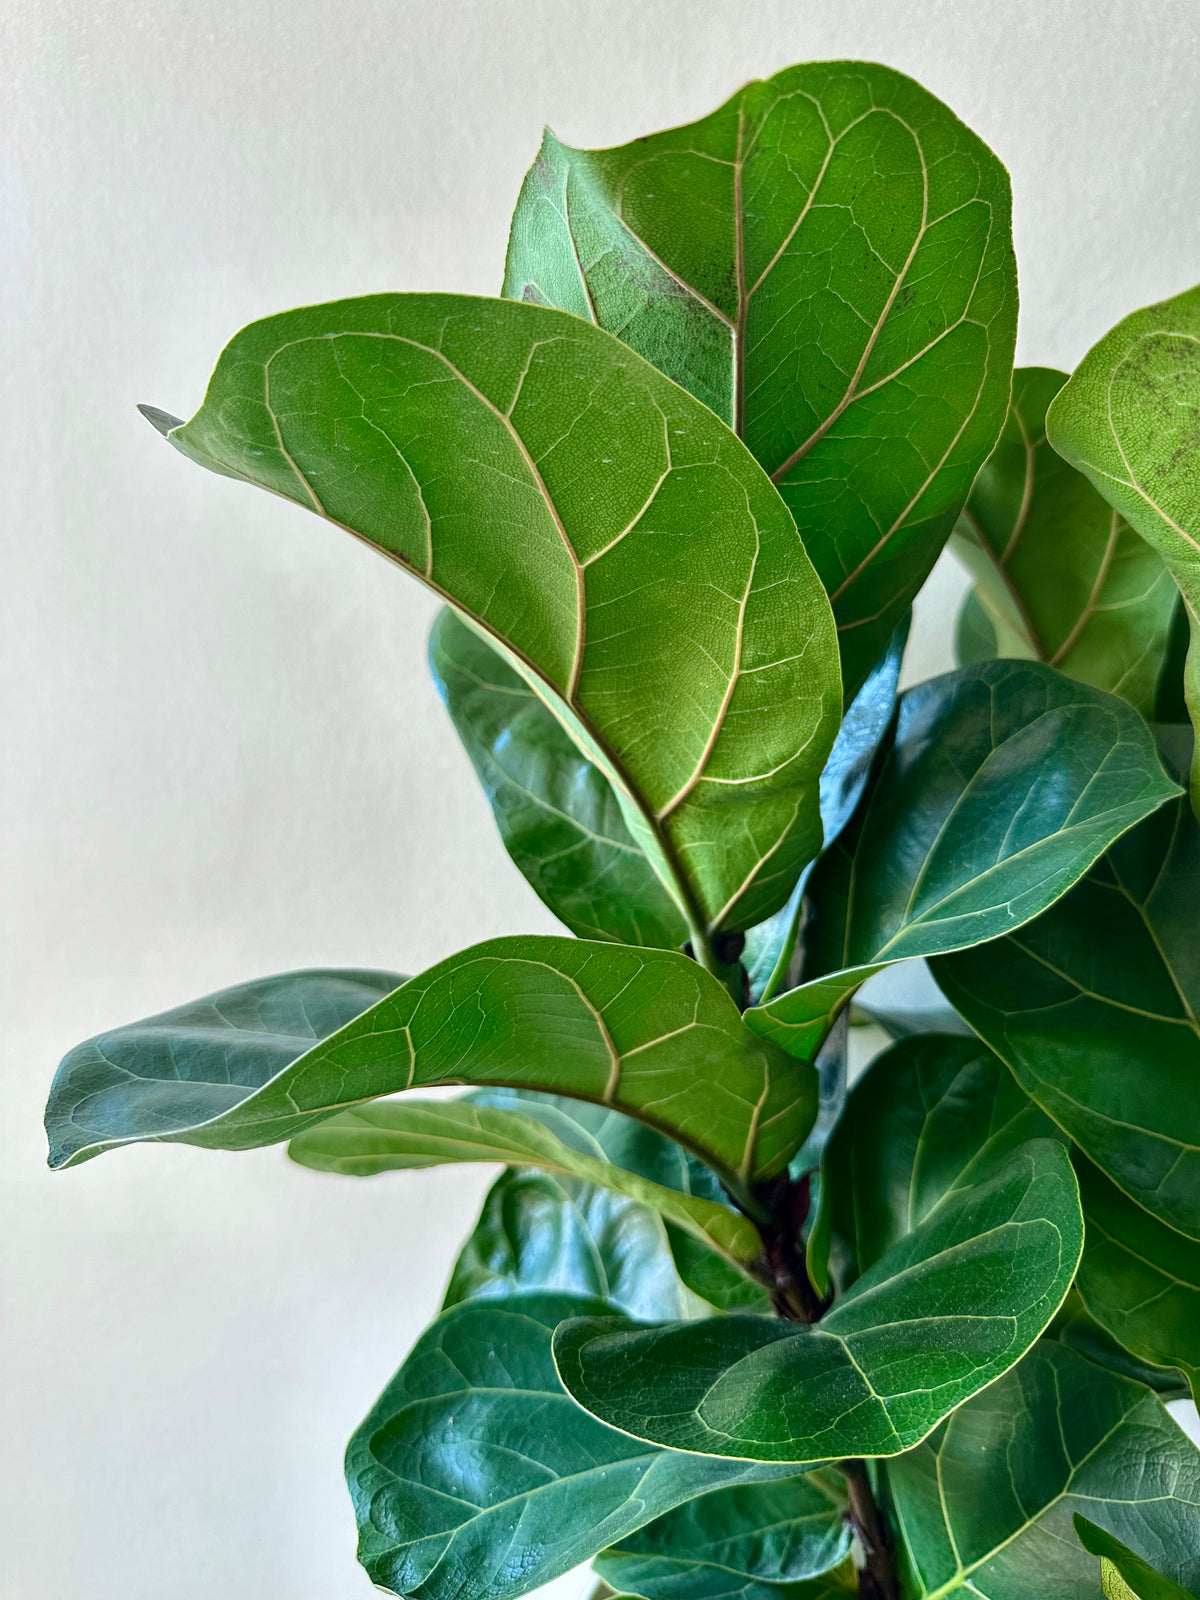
475, 1438
1003, 784
1124, 1575
943, 1313
826, 261
984, 1506
596, 523
1076, 1327
644, 1032
745, 1543
1095, 1006
1130, 420
1061, 576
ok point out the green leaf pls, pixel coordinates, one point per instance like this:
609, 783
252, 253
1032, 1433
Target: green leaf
557, 813
540, 1231
647, 1032
770, 945
1139, 1278
1125, 1576
894, 1356
197, 1063
736, 1544
475, 1477
1169, 704
597, 524
914, 1123
1129, 418
984, 1506
1075, 1327
827, 262
1094, 1006
1062, 577
1003, 784
975, 635
712, 1278
421, 1133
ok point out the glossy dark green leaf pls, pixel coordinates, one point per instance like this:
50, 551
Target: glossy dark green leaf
826, 261
984, 1506
914, 1123
736, 1544
1003, 784
596, 523
1129, 418
420, 1133
476, 1477
1060, 574
1124, 1575
1094, 1006
1075, 1327
197, 1063
557, 813
541, 1231
647, 1032
943, 1313
712, 1277
770, 945
1139, 1278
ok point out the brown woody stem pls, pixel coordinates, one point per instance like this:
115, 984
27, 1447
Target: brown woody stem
877, 1579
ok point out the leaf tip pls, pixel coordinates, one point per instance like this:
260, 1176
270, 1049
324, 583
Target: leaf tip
163, 421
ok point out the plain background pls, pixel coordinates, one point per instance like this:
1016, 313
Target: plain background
223, 755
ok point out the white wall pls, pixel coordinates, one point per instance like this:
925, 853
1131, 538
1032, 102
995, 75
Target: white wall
223, 754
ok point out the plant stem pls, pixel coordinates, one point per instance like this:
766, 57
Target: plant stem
877, 1579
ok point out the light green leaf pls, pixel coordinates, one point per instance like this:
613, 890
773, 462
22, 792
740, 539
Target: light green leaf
1003, 784
943, 1313
1094, 1006
1130, 419
984, 1506
557, 813
1062, 577
194, 1064
644, 1032
421, 1133
745, 1543
541, 1231
827, 262
1125, 1576
1139, 1278
476, 1477
923, 1112
1075, 1327
597, 524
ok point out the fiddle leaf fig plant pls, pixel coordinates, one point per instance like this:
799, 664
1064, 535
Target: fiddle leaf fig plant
736, 1323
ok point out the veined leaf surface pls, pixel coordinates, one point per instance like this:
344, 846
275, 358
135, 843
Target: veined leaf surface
1094, 1006
943, 1313
1076, 1327
596, 523
1129, 418
1061, 575
827, 262
984, 1506
647, 1032
1004, 782
476, 1477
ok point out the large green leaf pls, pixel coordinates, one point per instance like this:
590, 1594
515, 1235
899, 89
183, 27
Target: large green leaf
541, 1231
1062, 577
984, 1507
914, 1122
827, 262
1094, 1006
422, 1133
736, 1544
197, 1063
1130, 419
1139, 1278
595, 522
1004, 782
558, 814
944, 1312
647, 1032
1125, 1576
476, 1477
1076, 1327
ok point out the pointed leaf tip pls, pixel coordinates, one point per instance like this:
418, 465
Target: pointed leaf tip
162, 420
